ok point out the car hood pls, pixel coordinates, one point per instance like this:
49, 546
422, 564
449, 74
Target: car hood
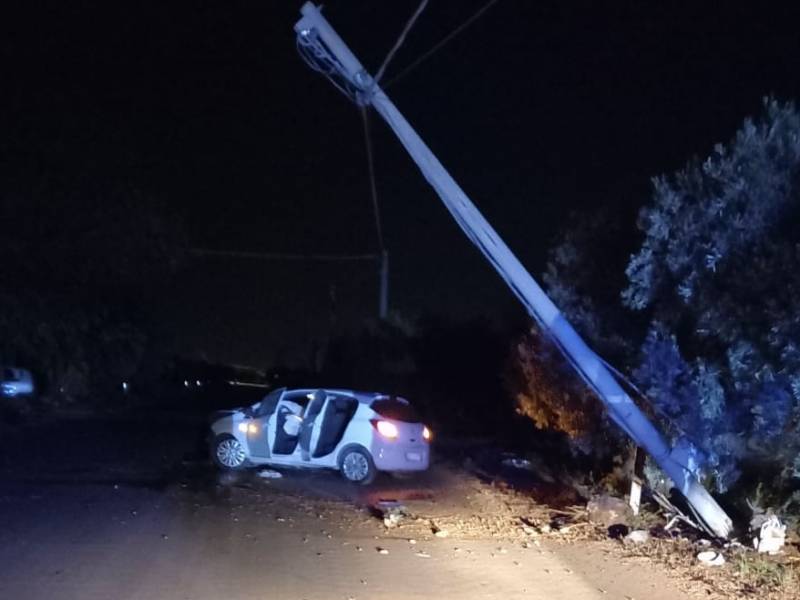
244, 411
221, 414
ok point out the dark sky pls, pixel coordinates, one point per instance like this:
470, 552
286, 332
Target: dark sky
538, 109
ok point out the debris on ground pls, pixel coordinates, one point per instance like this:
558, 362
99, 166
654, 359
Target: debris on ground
468, 508
638, 536
608, 510
391, 511
517, 463
710, 558
536, 467
269, 474
439, 532
771, 536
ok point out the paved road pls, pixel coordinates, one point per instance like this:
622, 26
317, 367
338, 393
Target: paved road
114, 510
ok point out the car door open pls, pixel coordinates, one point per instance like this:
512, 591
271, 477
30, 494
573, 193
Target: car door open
336, 416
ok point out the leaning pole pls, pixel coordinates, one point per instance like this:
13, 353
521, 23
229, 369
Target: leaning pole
329, 54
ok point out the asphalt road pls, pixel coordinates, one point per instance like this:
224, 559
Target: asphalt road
128, 509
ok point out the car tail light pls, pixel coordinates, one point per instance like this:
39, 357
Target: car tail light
426, 434
386, 429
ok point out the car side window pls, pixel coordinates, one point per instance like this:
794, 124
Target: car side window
268, 403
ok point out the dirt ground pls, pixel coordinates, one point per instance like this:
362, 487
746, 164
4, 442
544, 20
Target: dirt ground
120, 510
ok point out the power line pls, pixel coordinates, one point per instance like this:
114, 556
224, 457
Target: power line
478, 14
284, 256
371, 171
400, 39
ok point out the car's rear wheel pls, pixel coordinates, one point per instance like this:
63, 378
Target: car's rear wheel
356, 466
228, 453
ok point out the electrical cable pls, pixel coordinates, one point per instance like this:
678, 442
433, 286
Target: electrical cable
372, 183
479, 13
400, 39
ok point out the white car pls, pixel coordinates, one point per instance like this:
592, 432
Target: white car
15, 382
357, 433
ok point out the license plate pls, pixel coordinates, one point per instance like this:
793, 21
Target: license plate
416, 456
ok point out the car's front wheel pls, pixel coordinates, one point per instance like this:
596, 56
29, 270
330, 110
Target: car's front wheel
228, 453
356, 466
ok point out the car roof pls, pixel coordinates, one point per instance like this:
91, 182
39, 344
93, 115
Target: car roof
362, 397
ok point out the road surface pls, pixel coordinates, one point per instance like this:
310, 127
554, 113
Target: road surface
127, 509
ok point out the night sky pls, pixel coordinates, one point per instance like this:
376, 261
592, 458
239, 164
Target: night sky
538, 109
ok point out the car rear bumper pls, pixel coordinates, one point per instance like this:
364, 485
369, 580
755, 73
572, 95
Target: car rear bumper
388, 457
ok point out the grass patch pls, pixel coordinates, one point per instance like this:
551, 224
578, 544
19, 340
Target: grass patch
758, 571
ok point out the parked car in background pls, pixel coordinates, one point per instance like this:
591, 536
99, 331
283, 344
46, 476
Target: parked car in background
15, 382
356, 433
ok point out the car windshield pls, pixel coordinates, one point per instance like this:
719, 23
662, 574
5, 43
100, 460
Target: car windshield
396, 409
268, 403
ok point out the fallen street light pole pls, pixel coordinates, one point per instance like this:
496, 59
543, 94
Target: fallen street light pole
325, 51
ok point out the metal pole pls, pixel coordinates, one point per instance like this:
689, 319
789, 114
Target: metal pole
590, 367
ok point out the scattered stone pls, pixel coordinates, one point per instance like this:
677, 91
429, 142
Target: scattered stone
608, 510
638, 536
423, 555
382, 551
269, 474
518, 463
412, 541
392, 511
565, 529
710, 558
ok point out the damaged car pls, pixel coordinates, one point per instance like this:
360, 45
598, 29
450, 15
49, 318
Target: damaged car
357, 433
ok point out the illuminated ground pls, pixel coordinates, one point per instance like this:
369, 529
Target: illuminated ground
95, 509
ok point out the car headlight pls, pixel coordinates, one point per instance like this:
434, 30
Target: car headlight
248, 427
426, 434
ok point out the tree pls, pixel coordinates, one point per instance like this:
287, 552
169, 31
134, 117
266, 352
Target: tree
584, 275
79, 254
718, 277
709, 323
